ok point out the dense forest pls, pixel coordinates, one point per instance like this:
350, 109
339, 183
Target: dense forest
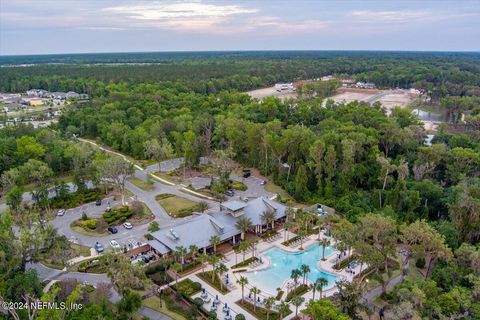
352, 157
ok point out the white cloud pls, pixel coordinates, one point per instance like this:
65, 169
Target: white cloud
158, 10
389, 16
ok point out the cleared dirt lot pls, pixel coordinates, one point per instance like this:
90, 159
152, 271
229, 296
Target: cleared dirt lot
388, 98
271, 92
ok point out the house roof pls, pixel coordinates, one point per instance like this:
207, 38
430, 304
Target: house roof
196, 231
253, 210
234, 205
158, 246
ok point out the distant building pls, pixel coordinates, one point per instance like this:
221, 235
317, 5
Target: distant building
35, 102
365, 85
288, 86
327, 78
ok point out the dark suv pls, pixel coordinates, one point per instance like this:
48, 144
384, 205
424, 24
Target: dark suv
112, 229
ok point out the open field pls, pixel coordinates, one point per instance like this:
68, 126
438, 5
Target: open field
176, 206
147, 186
271, 92
388, 98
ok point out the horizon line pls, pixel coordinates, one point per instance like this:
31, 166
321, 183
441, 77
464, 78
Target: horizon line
242, 50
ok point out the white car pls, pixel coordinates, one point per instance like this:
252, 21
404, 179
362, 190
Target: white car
61, 212
128, 225
114, 244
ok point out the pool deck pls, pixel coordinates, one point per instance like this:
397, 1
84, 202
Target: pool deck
236, 294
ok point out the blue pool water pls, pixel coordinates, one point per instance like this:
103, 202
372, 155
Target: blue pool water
282, 264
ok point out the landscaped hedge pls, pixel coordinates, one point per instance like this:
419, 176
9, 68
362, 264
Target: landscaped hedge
298, 291
188, 287
260, 313
344, 263
292, 240
245, 263
118, 215
238, 186
77, 198
207, 277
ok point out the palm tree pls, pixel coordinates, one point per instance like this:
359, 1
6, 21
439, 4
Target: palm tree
295, 275
325, 243
203, 258
214, 240
213, 260
297, 302
221, 269
289, 214
243, 225
320, 225
255, 291
242, 247
287, 226
193, 251
268, 304
268, 217
181, 251
319, 284
253, 242
283, 309
305, 270
301, 234
202, 206
242, 282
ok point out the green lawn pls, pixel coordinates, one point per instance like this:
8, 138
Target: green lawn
155, 304
176, 206
207, 277
86, 232
147, 186
273, 188
168, 177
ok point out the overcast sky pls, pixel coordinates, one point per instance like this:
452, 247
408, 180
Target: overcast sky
55, 26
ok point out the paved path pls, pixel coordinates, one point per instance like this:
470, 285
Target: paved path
44, 273
152, 314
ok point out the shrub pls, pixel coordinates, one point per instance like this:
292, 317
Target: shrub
148, 236
90, 223
188, 288
198, 302
240, 316
238, 186
153, 226
420, 263
298, 291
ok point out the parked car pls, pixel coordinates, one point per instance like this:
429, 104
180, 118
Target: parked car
61, 212
114, 244
246, 174
98, 202
112, 229
263, 182
127, 225
108, 209
229, 193
99, 247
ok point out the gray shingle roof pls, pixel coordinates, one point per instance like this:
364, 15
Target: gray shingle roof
253, 210
196, 231
234, 205
201, 228
158, 246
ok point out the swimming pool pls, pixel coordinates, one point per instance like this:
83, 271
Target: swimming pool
282, 263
